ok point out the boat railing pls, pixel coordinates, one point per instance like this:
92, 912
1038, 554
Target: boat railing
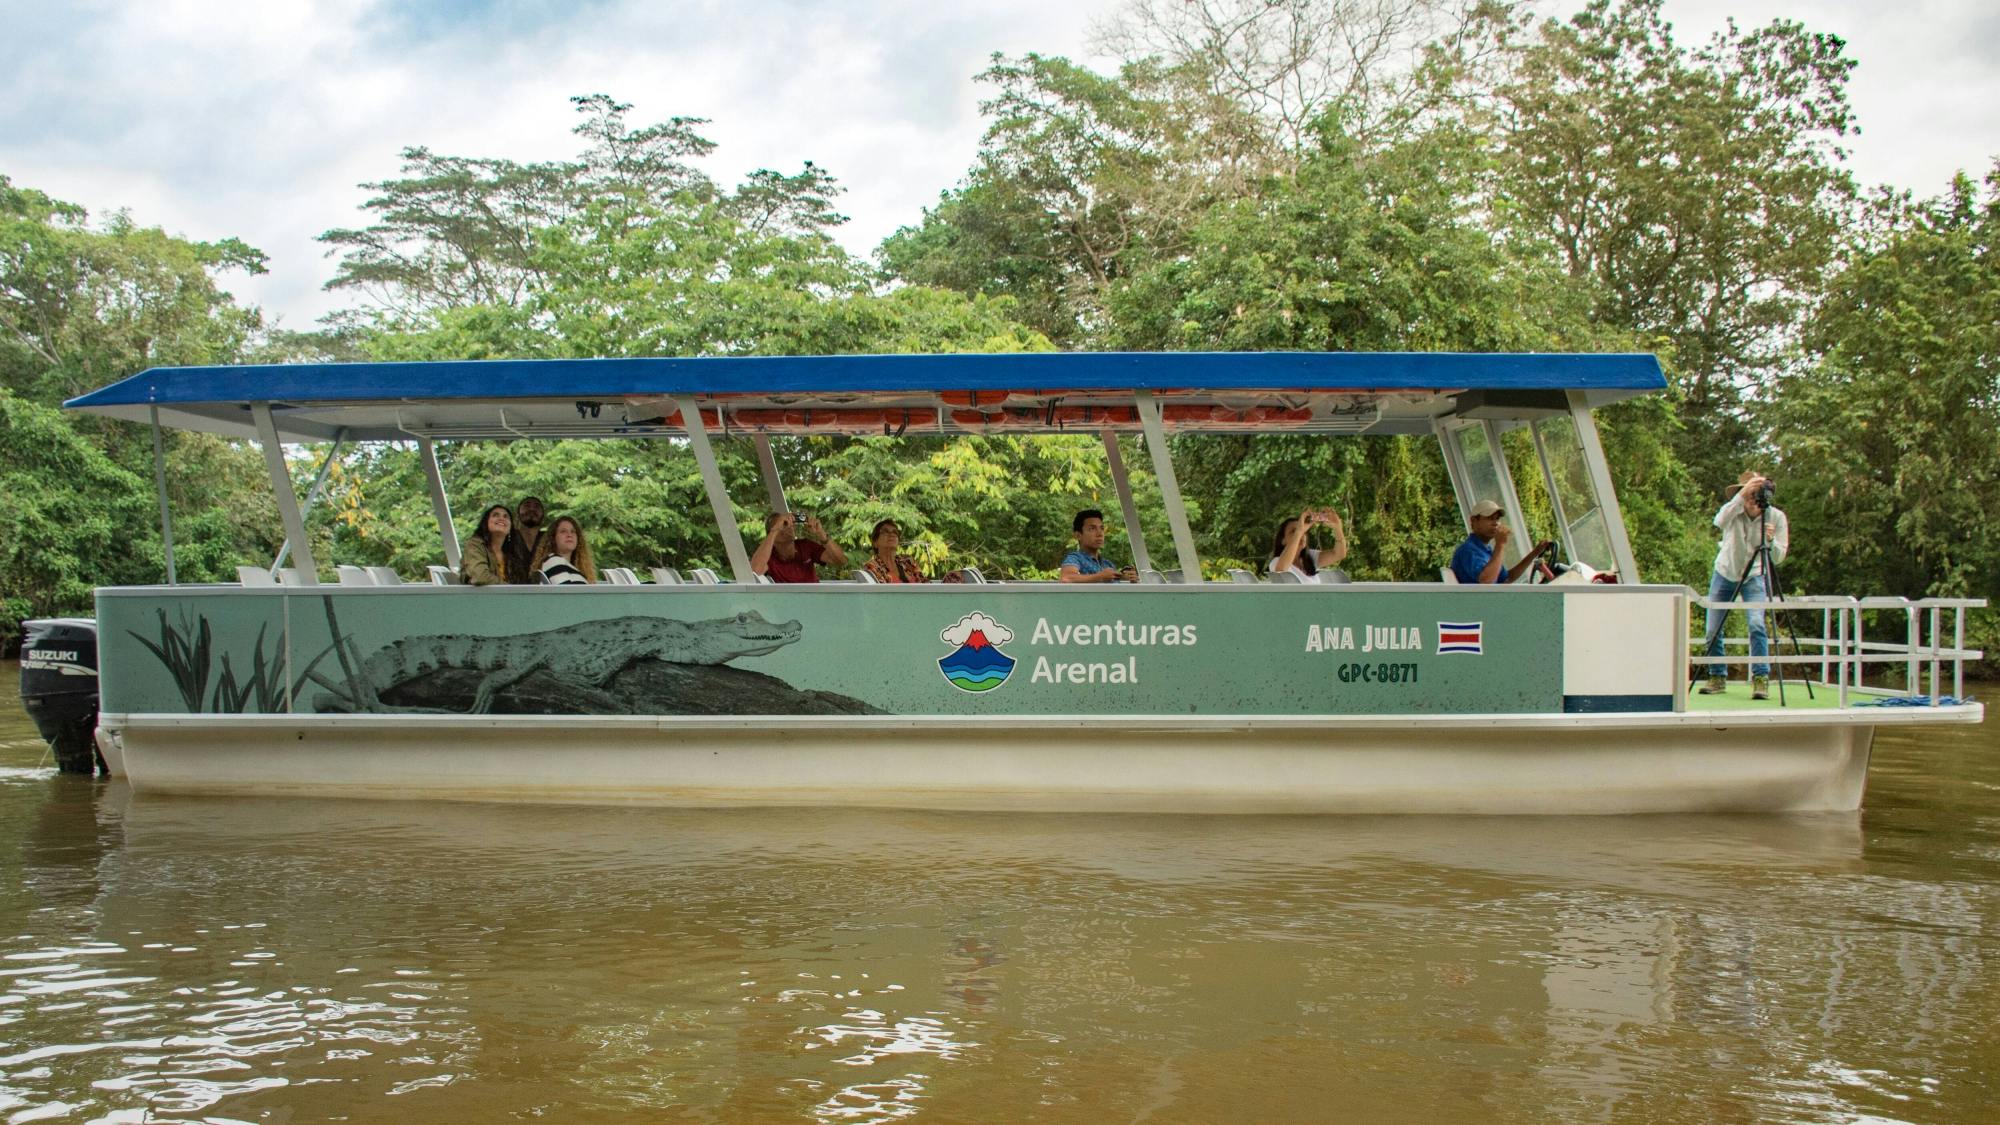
1843, 651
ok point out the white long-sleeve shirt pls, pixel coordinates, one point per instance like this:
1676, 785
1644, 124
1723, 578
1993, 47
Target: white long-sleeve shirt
1741, 534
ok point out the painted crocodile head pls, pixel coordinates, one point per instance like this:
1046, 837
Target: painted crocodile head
722, 639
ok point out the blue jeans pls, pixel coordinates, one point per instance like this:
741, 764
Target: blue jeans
1722, 589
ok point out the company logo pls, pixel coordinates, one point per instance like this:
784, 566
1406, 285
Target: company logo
1462, 637
976, 662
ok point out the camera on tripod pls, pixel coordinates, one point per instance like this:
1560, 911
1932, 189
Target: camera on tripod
1764, 492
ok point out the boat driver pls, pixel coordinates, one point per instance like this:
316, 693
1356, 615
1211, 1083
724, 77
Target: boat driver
1086, 564
1477, 560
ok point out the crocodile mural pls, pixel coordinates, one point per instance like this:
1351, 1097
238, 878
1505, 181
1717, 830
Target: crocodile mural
615, 666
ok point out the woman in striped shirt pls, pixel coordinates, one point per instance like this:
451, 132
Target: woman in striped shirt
564, 558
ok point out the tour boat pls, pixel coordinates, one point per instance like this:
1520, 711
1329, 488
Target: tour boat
1172, 694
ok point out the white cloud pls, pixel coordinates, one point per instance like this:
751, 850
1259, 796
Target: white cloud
215, 118
955, 635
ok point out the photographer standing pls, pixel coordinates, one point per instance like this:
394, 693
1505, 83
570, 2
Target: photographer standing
1748, 523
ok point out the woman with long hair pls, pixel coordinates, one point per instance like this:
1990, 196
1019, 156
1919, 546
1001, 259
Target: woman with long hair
564, 559
493, 553
1290, 553
884, 563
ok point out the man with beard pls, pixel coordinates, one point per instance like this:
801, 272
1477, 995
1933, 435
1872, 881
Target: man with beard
528, 516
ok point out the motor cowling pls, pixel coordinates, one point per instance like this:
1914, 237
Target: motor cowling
59, 688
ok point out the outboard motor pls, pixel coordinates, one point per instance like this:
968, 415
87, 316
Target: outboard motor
59, 688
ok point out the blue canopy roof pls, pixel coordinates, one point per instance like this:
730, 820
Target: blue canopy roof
378, 400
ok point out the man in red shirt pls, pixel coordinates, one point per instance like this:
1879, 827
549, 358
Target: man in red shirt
788, 559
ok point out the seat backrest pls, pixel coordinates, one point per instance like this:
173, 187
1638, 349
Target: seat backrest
1448, 576
1173, 577
862, 576
666, 576
385, 576
1291, 577
444, 576
620, 576
705, 576
255, 576
1334, 575
1242, 577
1152, 578
972, 574
353, 575
289, 576
763, 579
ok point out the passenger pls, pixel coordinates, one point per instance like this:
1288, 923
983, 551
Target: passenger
1477, 560
1289, 550
885, 564
528, 517
1085, 564
493, 555
1748, 522
786, 558
564, 558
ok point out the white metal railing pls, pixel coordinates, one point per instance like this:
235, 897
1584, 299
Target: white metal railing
1842, 650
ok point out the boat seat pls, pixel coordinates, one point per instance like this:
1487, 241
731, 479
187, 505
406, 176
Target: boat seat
255, 576
354, 575
620, 576
385, 576
704, 576
972, 574
1242, 577
1291, 577
763, 580
444, 576
1448, 576
666, 576
1173, 577
865, 578
1152, 578
289, 576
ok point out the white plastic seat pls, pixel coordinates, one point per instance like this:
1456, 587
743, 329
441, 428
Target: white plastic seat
1152, 578
1291, 577
1173, 577
354, 575
973, 575
1242, 577
444, 576
289, 576
385, 576
764, 580
620, 576
666, 576
704, 576
255, 576
1447, 576
865, 578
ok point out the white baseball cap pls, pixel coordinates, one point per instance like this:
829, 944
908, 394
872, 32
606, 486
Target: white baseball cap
1486, 508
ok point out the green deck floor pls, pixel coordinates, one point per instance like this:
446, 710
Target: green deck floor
1825, 697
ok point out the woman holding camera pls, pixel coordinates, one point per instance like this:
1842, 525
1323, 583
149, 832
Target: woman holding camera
1290, 553
784, 556
1754, 532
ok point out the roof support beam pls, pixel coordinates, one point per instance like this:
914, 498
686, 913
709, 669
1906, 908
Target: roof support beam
313, 493
440, 504
1509, 498
282, 490
160, 485
718, 494
1170, 485
1133, 531
767, 465
1555, 494
1600, 479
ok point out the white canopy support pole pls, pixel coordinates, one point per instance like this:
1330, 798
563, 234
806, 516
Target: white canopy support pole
1133, 531
1170, 485
440, 504
718, 496
1600, 479
767, 465
1555, 494
313, 493
1519, 545
282, 491
1455, 469
160, 485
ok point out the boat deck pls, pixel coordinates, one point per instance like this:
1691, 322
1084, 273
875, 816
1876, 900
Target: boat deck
1824, 697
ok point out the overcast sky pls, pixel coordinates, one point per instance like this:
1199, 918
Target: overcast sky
258, 118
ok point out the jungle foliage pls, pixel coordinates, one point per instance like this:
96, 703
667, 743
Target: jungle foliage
1316, 175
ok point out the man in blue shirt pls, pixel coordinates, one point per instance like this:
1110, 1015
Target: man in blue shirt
1085, 564
1477, 560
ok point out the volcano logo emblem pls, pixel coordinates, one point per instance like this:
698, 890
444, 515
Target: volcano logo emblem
976, 662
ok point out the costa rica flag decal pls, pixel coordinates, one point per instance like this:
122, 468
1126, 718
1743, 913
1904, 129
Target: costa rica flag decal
1460, 636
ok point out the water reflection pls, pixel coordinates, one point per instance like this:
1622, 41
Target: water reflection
241, 958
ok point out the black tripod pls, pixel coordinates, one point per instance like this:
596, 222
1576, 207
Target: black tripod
1773, 592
